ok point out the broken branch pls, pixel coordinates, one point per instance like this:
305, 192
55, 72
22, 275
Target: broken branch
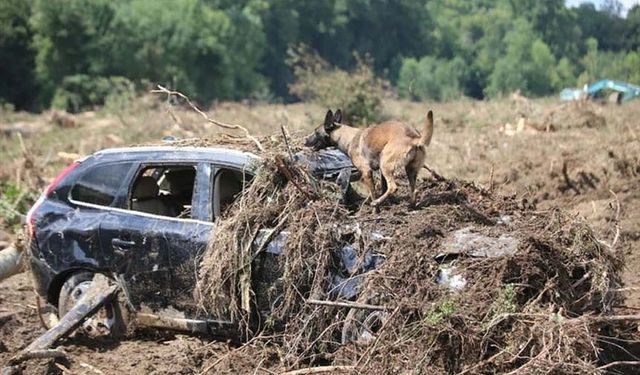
353, 305
319, 370
164, 90
287, 172
285, 135
434, 174
619, 363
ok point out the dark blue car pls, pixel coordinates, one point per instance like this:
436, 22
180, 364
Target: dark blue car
143, 215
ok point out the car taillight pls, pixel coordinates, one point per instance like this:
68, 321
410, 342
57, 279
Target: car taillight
60, 176
31, 217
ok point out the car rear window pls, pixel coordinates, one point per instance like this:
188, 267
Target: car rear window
100, 184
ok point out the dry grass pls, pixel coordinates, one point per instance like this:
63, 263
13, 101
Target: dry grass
594, 170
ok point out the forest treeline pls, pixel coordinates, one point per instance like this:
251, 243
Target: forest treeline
74, 53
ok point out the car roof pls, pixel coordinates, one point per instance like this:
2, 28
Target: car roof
176, 152
321, 162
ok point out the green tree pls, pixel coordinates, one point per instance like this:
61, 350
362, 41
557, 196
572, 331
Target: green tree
566, 74
632, 29
281, 22
528, 64
553, 22
17, 85
590, 62
209, 53
606, 26
431, 78
632, 67
206, 52
67, 38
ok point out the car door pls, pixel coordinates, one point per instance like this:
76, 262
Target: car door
69, 233
217, 185
153, 248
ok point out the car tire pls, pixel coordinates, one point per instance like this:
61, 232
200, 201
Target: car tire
111, 321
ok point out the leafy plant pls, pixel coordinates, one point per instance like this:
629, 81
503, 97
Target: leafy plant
358, 93
14, 203
507, 302
440, 312
81, 91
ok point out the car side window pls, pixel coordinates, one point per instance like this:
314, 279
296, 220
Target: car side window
228, 184
100, 184
165, 190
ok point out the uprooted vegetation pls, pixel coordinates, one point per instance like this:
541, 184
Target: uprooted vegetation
471, 281
467, 145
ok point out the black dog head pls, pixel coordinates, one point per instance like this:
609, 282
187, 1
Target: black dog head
321, 136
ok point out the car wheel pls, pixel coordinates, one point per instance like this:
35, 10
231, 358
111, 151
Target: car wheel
109, 322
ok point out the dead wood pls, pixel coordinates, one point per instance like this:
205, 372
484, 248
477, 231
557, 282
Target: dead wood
549, 298
247, 134
321, 369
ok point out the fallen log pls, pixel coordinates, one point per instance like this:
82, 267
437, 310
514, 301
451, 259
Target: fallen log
99, 293
10, 262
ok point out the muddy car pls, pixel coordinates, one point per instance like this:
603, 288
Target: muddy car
143, 216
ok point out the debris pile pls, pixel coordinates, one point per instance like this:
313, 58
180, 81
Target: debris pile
575, 115
468, 281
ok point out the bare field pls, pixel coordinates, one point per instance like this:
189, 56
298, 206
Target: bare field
581, 157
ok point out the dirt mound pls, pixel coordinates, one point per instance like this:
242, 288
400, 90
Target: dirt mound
468, 281
575, 115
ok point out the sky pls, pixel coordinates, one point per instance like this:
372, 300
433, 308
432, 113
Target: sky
626, 4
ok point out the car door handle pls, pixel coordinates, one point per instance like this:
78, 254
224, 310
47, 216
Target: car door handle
122, 243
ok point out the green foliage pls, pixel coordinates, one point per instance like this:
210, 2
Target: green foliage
528, 64
432, 78
603, 25
229, 50
631, 35
507, 302
566, 75
206, 52
624, 66
358, 93
16, 55
14, 203
80, 91
440, 312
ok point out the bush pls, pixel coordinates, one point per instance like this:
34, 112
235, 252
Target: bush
431, 78
79, 92
14, 203
624, 66
358, 93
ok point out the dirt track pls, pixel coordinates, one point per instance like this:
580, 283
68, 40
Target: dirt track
585, 166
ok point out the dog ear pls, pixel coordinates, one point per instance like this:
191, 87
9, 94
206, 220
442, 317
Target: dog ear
338, 117
328, 118
329, 125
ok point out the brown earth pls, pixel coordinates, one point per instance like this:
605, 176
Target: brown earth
583, 158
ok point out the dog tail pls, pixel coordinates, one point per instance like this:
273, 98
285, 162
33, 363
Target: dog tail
427, 132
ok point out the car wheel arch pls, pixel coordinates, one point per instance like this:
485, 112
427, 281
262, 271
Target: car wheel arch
55, 287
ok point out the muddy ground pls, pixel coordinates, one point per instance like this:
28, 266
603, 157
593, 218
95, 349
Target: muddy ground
584, 158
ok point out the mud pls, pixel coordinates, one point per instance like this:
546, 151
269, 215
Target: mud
588, 165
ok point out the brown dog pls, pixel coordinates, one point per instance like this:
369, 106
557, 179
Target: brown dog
385, 147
